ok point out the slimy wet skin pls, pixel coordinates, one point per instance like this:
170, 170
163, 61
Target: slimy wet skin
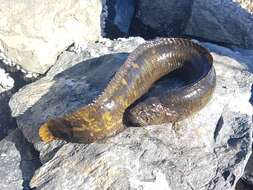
143, 67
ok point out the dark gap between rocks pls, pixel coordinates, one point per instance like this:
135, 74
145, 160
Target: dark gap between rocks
7, 122
218, 127
251, 97
30, 160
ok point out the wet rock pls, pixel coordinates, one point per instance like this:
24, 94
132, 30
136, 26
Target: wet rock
209, 150
33, 36
222, 21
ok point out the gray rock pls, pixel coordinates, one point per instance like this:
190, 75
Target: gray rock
118, 17
161, 18
10, 173
248, 173
228, 22
209, 150
33, 34
221, 21
18, 161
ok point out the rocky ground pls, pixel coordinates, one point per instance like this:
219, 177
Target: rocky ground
139, 157
209, 150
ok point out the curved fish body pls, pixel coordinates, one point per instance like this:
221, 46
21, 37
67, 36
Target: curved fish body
143, 67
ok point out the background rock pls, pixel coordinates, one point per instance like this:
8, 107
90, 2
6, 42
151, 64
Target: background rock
33, 36
228, 22
162, 18
221, 21
206, 151
118, 17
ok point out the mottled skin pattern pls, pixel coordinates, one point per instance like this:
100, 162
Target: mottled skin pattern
145, 65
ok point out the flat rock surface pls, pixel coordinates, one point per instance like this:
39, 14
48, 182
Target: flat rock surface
33, 36
209, 150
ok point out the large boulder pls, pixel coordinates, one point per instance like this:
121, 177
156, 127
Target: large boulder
222, 21
34, 33
227, 22
161, 17
117, 17
206, 151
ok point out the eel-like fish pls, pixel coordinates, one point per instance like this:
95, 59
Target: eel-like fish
145, 65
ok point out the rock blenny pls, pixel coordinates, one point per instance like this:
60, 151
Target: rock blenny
145, 65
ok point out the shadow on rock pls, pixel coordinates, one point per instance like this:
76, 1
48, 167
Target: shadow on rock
20, 162
251, 97
7, 123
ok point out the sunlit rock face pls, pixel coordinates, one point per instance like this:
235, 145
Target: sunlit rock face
33, 33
